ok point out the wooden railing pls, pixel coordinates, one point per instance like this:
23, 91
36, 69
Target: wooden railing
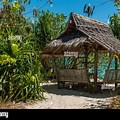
112, 76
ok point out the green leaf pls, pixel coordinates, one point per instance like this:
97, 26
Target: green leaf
118, 8
16, 6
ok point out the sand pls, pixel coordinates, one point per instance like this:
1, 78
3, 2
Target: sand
71, 99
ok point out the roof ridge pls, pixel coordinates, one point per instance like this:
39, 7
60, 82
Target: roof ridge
90, 19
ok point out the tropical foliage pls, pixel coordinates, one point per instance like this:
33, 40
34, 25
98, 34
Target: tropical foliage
20, 70
21, 42
20, 66
48, 26
115, 20
115, 24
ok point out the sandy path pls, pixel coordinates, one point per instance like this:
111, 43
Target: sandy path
71, 99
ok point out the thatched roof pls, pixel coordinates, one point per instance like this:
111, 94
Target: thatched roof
83, 33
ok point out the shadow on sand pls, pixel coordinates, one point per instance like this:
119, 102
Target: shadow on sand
53, 88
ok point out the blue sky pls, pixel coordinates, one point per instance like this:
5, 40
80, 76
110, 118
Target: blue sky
101, 13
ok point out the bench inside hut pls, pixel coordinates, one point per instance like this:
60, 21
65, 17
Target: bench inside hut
72, 75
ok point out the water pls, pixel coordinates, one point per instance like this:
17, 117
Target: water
101, 68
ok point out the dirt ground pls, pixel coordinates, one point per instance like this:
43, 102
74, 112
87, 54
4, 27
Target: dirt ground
66, 99
72, 99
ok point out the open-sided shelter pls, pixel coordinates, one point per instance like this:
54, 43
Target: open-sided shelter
84, 35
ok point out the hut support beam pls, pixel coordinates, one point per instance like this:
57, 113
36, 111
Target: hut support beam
56, 71
63, 65
116, 68
95, 67
108, 67
86, 68
75, 63
110, 60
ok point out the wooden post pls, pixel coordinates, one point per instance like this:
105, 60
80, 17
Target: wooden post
110, 60
116, 65
75, 63
56, 71
63, 65
86, 68
95, 67
108, 67
116, 68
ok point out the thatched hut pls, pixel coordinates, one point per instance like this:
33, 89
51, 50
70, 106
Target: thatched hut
83, 35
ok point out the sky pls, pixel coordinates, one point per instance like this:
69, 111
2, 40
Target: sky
101, 12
